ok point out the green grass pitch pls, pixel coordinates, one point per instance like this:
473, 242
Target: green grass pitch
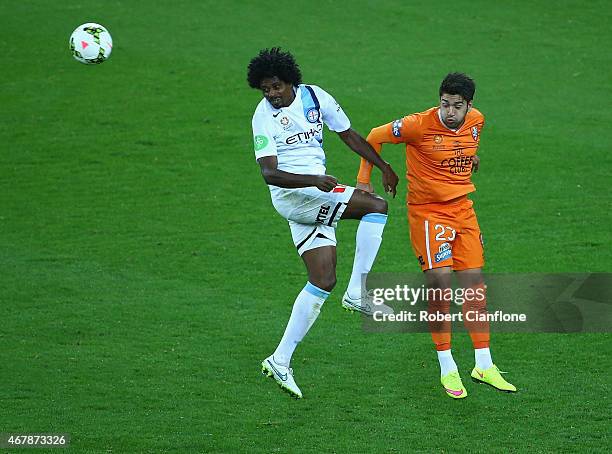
145, 273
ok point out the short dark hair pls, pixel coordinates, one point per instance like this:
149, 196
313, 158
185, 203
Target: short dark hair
458, 84
273, 62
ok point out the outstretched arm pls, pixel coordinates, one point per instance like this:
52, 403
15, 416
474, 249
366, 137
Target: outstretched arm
360, 146
282, 179
377, 137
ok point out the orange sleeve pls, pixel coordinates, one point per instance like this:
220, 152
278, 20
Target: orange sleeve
376, 138
407, 129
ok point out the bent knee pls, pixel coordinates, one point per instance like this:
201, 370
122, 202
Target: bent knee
325, 282
378, 205
382, 206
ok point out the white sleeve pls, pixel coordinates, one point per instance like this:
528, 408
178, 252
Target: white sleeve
263, 139
333, 115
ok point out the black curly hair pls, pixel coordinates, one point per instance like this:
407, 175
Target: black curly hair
458, 84
273, 62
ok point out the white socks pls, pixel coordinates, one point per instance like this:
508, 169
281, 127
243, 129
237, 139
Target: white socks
369, 237
447, 363
482, 356
305, 311
308, 303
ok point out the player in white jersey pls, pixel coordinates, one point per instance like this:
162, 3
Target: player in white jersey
288, 137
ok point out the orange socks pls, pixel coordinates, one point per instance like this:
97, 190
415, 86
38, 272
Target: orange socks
474, 307
440, 331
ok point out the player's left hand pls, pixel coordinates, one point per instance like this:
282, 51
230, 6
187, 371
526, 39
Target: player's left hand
475, 163
390, 180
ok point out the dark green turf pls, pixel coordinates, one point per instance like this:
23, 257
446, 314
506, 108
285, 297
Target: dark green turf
145, 273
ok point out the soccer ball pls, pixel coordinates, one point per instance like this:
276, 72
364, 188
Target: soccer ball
91, 43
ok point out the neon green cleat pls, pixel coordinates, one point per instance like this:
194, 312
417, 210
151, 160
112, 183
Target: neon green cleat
453, 386
492, 376
283, 375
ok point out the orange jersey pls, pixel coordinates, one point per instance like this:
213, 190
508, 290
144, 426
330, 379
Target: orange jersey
438, 159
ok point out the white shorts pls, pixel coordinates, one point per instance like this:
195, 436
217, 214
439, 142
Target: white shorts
312, 214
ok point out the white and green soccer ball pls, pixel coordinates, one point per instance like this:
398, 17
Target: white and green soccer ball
91, 44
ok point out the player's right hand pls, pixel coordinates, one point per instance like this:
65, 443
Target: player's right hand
326, 182
367, 187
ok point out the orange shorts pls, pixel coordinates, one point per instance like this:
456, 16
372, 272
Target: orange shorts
446, 234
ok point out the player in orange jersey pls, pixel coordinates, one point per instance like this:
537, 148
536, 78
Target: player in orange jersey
441, 145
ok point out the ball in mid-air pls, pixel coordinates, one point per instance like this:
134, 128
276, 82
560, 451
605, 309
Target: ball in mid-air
91, 43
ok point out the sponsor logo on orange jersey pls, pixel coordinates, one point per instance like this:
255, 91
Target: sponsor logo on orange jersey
395, 127
458, 165
475, 133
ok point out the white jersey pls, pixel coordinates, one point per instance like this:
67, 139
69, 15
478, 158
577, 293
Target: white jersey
294, 134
